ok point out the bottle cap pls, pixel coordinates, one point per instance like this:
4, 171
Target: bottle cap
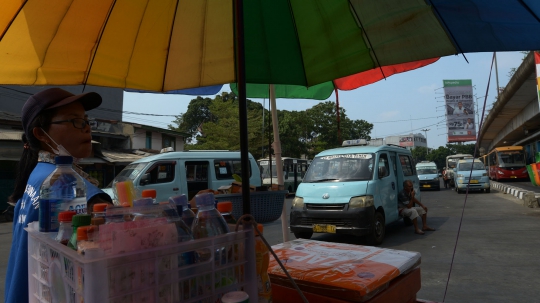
85, 232
81, 220
206, 199
260, 227
66, 216
179, 200
100, 207
225, 207
97, 221
63, 160
149, 193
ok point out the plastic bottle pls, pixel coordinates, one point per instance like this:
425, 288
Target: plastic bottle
78, 221
99, 210
85, 238
182, 206
225, 208
149, 193
65, 230
262, 259
62, 190
208, 222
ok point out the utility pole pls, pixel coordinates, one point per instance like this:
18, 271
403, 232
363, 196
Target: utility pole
425, 130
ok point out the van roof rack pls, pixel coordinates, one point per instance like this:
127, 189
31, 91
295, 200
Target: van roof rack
395, 145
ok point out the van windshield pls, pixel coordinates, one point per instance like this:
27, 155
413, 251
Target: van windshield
426, 170
467, 166
129, 172
347, 167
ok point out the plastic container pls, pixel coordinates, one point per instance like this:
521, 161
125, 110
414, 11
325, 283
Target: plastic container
78, 221
182, 206
58, 274
235, 297
265, 206
62, 190
85, 238
208, 222
262, 260
65, 230
226, 208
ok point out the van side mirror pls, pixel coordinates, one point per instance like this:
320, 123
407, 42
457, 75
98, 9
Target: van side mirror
145, 179
382, 172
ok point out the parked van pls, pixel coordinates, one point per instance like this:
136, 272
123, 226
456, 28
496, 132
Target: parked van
479, 179
186, 172
428, 175
352, 190
451, 163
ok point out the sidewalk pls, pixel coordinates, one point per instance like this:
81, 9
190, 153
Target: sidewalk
6, 233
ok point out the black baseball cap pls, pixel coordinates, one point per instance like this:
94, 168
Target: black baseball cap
54, 97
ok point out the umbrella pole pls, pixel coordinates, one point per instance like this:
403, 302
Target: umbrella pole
279, 163
242, 103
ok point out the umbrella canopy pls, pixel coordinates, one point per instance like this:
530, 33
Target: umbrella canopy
163, 45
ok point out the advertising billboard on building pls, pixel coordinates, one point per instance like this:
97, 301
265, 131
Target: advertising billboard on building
458, 95
406, 141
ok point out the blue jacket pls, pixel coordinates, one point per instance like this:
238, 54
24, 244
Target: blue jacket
26, 211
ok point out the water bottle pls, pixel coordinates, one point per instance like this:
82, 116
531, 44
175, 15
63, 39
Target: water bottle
62, 190
208, 222
182, 206
226, 208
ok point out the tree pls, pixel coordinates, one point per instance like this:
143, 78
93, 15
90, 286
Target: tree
419, 154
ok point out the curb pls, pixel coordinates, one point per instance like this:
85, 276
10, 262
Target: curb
529, 198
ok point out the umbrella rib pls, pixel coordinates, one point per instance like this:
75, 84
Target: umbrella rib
447, 30
169, 46
12, 20
97, 44
529, 10
367, 38
298, 40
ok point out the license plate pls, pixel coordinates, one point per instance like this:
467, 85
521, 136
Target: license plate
513, 176
426, 185
474, 181
324, 228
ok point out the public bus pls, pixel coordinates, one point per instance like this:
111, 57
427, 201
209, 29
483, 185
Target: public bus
269, 173
451, 163
506, 163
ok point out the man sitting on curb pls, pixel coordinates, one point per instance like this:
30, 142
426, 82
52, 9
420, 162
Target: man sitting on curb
406, 200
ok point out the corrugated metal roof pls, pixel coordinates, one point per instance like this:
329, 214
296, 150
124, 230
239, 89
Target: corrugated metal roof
120, 157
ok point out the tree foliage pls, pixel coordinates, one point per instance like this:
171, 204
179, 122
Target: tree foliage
439, 155
213, 124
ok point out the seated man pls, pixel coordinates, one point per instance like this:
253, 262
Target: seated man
406, 200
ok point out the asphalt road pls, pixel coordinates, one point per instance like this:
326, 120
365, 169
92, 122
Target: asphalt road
496, 257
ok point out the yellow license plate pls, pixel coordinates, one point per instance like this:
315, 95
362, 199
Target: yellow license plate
513, 176
474, 181
426, 185
324, 228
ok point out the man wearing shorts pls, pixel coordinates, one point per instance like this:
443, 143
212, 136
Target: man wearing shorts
406, 202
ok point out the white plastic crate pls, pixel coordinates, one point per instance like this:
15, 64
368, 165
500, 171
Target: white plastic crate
58, 274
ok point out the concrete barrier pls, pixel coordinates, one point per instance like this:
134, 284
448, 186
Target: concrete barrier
529, 198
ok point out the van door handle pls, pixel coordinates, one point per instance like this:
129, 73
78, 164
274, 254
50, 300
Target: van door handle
176, 188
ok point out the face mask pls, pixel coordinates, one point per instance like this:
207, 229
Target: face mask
59, 150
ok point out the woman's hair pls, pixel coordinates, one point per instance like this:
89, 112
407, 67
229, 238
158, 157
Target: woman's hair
29, 157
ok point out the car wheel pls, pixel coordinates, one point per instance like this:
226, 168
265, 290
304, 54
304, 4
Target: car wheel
459, 191
487, 190
439, 188
378, 229
303, 235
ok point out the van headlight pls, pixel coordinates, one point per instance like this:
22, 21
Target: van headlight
362, 201
484, 174
298, 202
436, 178
460, 176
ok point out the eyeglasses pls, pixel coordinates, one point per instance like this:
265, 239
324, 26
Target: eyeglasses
79, 123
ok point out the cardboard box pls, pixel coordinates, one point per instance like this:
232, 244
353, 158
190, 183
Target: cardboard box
225, 189
236, 187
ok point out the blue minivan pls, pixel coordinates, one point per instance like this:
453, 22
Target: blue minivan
352, 190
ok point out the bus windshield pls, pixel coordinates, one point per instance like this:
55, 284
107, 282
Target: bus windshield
347, 167
511, 158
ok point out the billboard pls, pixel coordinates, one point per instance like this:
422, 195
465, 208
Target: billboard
406, 141
458, 96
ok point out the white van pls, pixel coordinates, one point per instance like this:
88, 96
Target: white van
352, 190
186, 172
428, 175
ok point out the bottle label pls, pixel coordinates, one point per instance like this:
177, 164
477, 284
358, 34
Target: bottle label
77, 204
48, 214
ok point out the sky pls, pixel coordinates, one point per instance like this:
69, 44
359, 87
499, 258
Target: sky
408, 101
